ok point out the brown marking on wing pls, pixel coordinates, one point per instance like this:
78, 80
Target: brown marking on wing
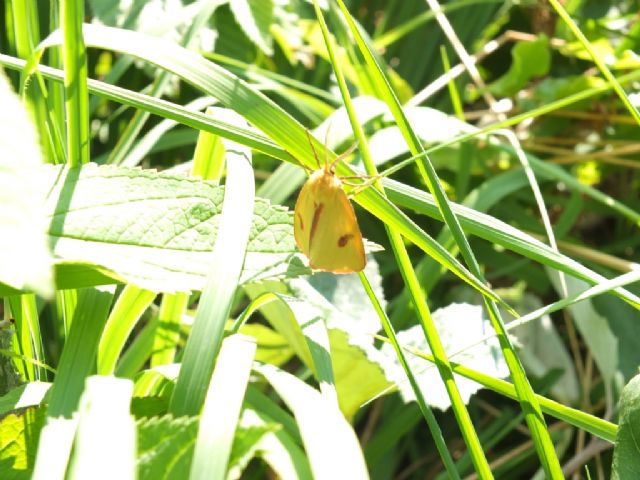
300, 221
344, 239
314, 223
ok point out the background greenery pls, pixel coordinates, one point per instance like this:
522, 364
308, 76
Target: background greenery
158, 319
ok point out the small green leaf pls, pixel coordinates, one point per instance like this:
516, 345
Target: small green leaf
530, 59
626, 455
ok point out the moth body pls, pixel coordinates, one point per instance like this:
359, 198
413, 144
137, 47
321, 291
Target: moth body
325, 225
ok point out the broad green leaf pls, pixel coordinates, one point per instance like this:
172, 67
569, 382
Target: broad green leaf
626, 456
255, 18
530, 60
19, 435
459, 325
25, 262
624, 322
154, 230
165, 447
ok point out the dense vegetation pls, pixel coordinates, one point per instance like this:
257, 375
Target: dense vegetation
160, 320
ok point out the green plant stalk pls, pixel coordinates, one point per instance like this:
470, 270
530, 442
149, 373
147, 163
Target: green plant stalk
429, 417
56, 94
29, 339
27, 34
535, 420
406, 269
74, 54
167, 335
129, 307
566, 18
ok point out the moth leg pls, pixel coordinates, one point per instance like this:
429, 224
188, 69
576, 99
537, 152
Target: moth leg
315, 154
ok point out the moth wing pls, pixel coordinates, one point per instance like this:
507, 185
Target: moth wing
336, 244
303, 217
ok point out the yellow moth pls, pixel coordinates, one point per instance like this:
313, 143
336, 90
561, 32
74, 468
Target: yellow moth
325, 226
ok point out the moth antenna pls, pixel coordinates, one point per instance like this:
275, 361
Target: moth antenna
315, 154
344, 154
360, 187
327, 167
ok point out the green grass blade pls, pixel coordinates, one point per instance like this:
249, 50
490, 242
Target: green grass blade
217, 296
127, 139
533, 415
74, 55
429, 417
222, 408
406, 269
167, 335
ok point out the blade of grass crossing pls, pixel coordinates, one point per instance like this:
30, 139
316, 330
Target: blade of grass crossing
407, 271
74, 54
535, 420
410, 279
